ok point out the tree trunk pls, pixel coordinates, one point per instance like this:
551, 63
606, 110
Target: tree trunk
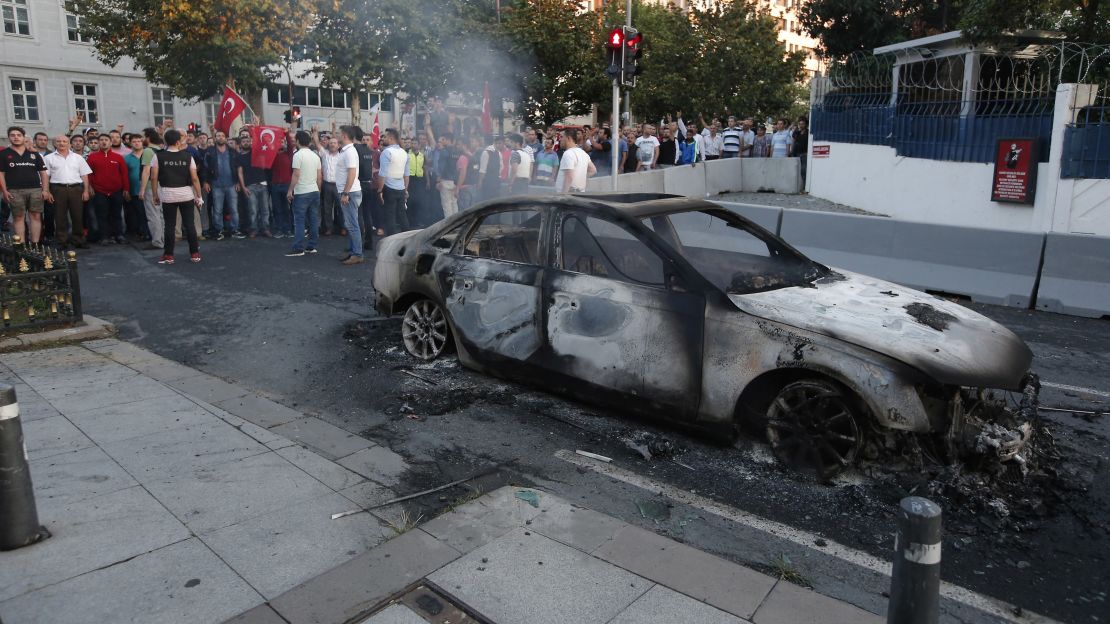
356, 107
254, 101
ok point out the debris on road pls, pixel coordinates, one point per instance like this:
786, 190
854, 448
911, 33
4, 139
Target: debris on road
594, 456
414, 375
650, 445
528, 496
654, 510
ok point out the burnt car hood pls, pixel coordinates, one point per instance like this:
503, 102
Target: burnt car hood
946, 341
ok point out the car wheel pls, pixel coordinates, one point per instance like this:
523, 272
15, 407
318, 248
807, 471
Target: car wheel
424, 330
815, 425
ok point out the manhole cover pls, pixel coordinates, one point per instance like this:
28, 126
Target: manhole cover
428, 602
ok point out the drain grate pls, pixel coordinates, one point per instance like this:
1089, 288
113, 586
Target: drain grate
430, 603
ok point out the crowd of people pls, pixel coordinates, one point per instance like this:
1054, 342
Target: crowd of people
163, 184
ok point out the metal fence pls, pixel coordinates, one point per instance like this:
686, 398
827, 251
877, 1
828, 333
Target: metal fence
38, 286
943, 109
1087, 140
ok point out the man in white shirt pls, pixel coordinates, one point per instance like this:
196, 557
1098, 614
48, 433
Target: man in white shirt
330, 211
350, 191
304, 196
520, 165
393, 183
747, 135
70, 188
782, 140
647, 149
575, 167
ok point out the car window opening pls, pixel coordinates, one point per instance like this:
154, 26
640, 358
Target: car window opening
599, 248
510, 236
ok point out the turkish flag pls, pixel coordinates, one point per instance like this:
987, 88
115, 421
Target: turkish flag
376, 133
487, 121
265, 143
231, 106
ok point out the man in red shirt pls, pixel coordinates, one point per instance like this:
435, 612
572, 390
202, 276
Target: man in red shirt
281, 173
111, 186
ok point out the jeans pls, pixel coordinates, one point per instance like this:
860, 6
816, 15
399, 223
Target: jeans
331, 215
225, 200
259, 207
279, 206
109, 215
187, 211
350, 217
393, 213
306, 211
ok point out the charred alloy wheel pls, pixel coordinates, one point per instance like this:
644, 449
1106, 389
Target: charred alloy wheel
424, 330
814, 425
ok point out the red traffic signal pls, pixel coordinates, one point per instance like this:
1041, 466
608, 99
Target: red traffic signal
616, 39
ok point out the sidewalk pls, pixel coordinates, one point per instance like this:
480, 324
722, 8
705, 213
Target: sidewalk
173, 496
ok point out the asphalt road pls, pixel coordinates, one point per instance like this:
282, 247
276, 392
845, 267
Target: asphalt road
300, 330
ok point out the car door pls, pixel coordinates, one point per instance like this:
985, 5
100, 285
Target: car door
491, 285
618, 317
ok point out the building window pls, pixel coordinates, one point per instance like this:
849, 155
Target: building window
162, 101
17, 19
73, 26
25, 99
84, 101
211, 109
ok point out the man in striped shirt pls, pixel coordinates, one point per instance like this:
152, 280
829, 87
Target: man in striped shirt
731, 139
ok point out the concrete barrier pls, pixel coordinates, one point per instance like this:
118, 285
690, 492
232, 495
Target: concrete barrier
643, 182
989, 266
686, 180
723, 176
781, 175
767, 217
1075, 276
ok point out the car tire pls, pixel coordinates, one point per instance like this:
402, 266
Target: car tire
425, 331
815, 425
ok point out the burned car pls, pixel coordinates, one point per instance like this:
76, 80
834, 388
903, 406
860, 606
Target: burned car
684, 310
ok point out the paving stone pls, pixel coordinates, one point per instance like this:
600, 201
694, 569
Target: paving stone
87, 535
101, 345
113, 392
162, 369
790, 604
701, 576
378, 464
277, 551
212, 497
259, 410
52, 436
583, 529
262, 614
120, 351
660, 604
183, 583
358, 585
526, 578
264, 436
207, 388
75, 476
32, 405
368, 494
327, 472
114, 423
329, 440
483, 520
395, 614
180, 451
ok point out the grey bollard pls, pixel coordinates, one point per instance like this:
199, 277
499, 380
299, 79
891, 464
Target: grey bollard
915, 582
19, 520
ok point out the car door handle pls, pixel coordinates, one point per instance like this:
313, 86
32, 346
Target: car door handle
467, 284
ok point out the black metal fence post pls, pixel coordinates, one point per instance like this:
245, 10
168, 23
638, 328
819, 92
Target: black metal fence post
915, 582
74, 285
19, 519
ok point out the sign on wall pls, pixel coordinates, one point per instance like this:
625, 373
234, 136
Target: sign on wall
820, 151
1015, 171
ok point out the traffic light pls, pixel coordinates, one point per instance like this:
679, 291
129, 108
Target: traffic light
614, 45
633, 50
192, 128
293, 116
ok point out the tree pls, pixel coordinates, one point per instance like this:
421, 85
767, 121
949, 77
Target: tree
384, 44
847, 26
194, 47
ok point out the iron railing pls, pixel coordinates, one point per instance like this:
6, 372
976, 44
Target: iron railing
1087, 141
38, 286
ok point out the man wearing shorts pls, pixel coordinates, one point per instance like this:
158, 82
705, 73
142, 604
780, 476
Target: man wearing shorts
24, 184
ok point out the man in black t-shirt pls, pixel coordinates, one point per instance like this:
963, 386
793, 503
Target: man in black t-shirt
24, 184
801, 145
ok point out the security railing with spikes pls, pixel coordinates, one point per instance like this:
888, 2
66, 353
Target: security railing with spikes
38, 285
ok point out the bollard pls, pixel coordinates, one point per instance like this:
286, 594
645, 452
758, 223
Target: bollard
915, 582
19, 520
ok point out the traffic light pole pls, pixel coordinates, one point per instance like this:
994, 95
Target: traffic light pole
614, 134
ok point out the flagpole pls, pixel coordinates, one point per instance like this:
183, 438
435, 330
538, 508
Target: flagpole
248, 104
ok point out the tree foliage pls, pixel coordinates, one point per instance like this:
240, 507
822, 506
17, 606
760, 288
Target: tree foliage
194, 46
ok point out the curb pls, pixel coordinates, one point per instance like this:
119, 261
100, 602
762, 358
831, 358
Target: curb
90, 329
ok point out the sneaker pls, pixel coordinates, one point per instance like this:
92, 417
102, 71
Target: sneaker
344, 256
310, 251
166, 260
237, 235
279, 235
121, 240
353, 260
194, 258
296, 254
219, 236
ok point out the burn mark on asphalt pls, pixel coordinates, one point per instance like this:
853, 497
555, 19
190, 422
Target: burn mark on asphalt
929, 316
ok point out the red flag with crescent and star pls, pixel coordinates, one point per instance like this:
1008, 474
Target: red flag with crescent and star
376, 133
265, 143
231, 106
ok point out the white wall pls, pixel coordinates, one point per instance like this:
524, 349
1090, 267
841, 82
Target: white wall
876, 179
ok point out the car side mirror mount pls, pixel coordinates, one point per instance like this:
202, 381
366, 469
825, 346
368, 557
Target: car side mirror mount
676, 283
441, 243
